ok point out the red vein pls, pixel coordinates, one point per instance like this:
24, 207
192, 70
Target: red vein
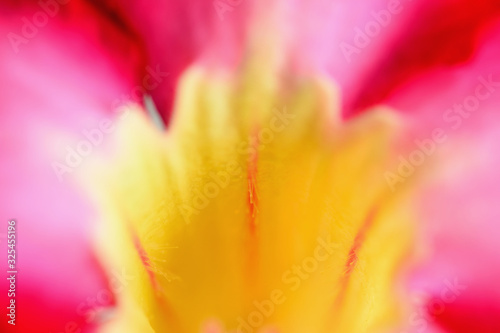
352, 257
253, 208
166, 307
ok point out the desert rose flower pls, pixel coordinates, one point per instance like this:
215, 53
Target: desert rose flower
250, 166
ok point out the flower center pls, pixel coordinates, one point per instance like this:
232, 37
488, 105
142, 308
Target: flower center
259, 209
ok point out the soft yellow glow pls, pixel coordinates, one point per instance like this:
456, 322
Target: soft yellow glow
248, 183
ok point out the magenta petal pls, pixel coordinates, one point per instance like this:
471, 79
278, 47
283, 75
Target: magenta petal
460, 211
177, 33
347, 39
372, 47
59, 84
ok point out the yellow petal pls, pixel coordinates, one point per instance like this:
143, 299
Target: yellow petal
259, 210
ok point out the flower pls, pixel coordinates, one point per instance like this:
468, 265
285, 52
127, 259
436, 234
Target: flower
312, 147
279, 211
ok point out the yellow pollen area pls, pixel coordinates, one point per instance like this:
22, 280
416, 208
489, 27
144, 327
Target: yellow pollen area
258, 210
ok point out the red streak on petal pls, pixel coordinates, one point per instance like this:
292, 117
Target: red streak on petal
253, 203
446, 34
166, 307
352, 257
145, 260
252, 198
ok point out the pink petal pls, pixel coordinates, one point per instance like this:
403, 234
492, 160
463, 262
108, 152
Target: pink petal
63, 81
176, 33
372, 47
461, 211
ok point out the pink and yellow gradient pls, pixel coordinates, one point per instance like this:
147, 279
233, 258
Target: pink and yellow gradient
311, 178
319, 176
